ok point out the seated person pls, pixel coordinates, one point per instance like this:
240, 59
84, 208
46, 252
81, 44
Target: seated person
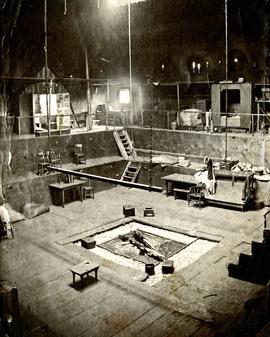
206, 176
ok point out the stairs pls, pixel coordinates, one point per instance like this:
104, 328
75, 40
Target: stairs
124, 144
131, 172
255, 267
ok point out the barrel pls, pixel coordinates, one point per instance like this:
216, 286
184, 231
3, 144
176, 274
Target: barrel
150, 268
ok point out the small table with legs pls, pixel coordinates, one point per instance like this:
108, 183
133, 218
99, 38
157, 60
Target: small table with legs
58, 189
84, 269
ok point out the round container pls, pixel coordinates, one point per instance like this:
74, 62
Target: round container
150, 268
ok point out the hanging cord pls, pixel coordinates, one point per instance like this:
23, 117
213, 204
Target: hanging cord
130, 70
226, 80
151, 110
151, 153
46, 70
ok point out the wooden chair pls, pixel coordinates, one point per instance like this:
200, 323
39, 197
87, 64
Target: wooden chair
43, 163
54, 158
79, 155
196, 195
88, 190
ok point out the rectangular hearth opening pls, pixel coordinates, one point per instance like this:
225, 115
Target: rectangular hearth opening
137, 245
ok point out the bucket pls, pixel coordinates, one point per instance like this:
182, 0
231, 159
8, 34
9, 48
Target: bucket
150, 268
173, 125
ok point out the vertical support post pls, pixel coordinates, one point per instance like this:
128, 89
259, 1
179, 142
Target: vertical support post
178, 103
89, 117
226, 79
107, 102
19, 125
141, 104
46, 71
130, 64
258, 117
50, 104
178, 97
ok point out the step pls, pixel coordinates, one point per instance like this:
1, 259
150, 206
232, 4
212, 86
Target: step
248, 275
266, 239
235, 271
257, 249
131, 172
245, 260
266, 233
133, 167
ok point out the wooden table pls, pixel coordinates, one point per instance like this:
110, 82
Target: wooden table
177, 179
60, 188
84, 269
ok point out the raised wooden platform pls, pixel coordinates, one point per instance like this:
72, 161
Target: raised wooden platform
228, 194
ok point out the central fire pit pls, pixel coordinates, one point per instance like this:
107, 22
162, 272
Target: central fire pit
158, 249
135, 243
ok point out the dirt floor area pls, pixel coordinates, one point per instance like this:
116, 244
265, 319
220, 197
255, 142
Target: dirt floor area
194, 301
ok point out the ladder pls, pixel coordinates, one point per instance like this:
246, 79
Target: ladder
131, 172
124, 144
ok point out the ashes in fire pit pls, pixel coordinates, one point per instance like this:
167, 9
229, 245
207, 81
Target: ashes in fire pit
143, 246
135, 244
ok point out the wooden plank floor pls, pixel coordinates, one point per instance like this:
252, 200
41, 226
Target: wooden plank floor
171, 324
115, 306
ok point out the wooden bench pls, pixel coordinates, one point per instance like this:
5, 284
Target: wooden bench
84, 269
242, 206
178, 181
180, 191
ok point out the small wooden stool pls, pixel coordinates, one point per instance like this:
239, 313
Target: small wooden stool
148, 211
128, 210
88, 191
167, 267
84, 269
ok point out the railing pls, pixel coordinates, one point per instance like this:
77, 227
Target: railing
24, 125
168, 118
163, 119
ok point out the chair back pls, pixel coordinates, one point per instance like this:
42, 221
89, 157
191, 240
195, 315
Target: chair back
41, 158
54, 156
198, 189
87, 181
78, 149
